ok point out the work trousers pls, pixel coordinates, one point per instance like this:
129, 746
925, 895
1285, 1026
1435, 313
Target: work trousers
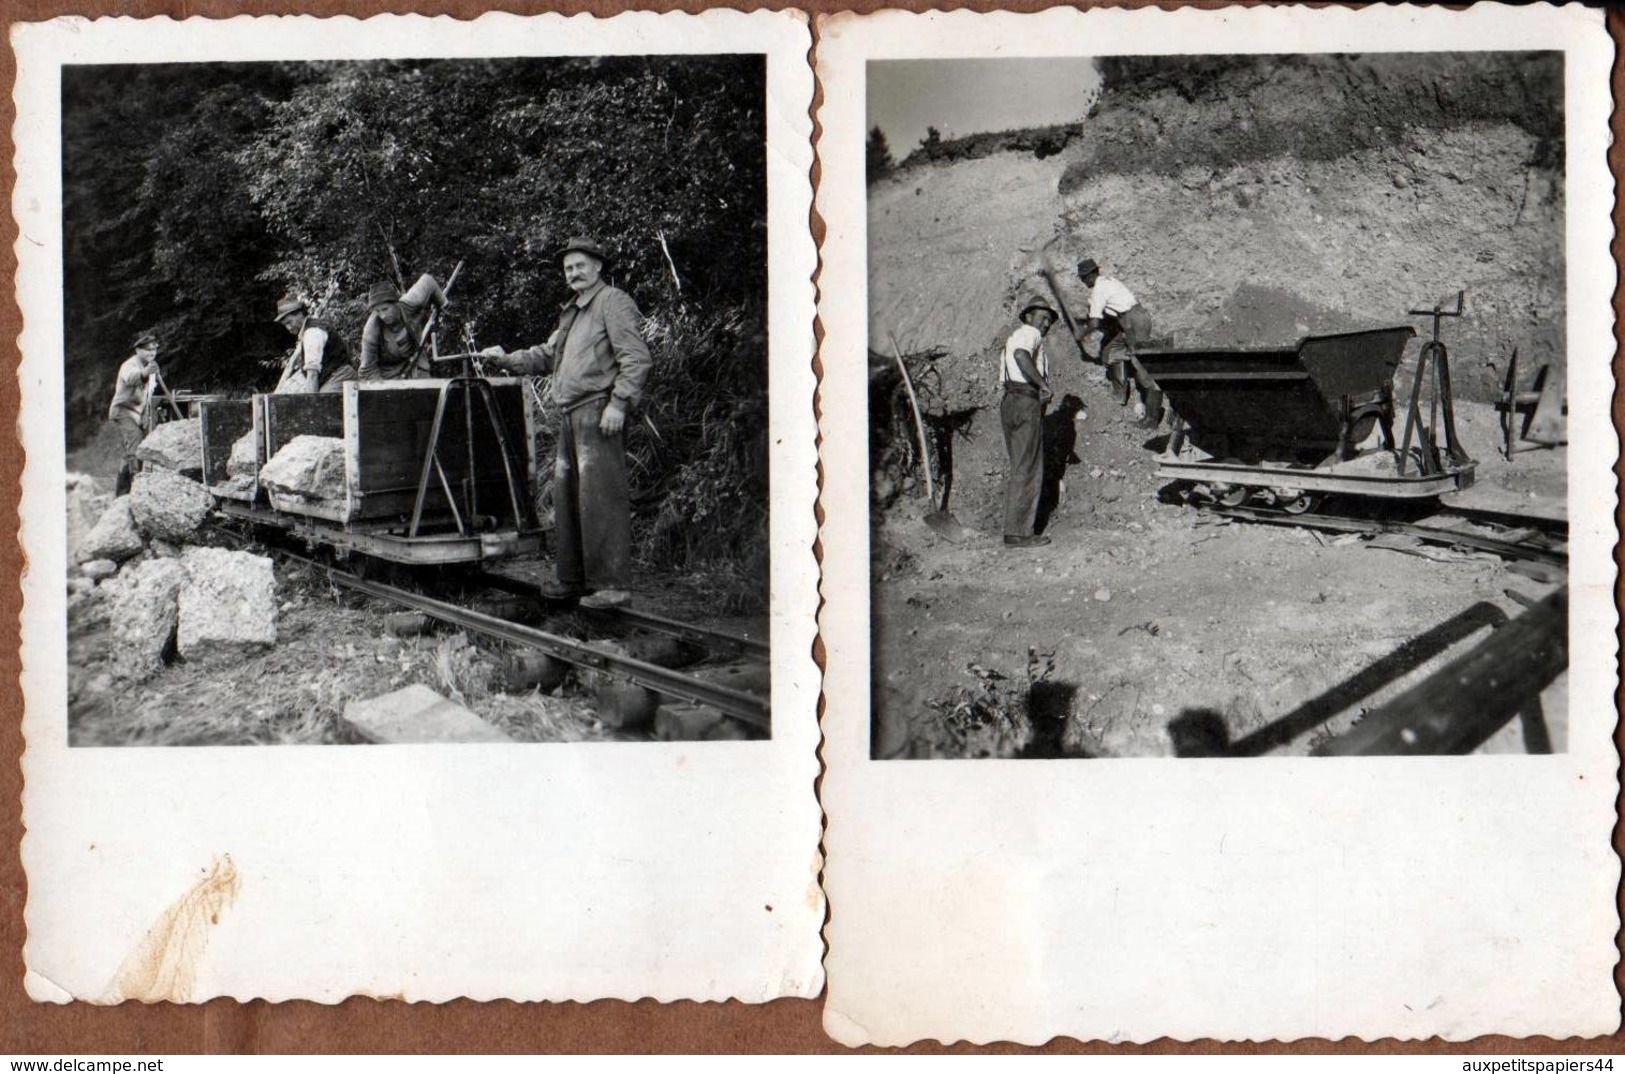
1123, 333
1022, 417
338, 378
592, 509
129, 438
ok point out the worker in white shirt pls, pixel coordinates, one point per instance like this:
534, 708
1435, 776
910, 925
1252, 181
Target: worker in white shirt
1024, 375
1124, 324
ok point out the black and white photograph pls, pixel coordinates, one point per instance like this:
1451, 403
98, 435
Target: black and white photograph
1225, 645
416, 400
1218, 404
428, 403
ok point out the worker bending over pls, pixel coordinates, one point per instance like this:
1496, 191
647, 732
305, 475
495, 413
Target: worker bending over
1124, 325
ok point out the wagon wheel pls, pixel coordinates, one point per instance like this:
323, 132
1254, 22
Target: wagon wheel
1233, 495
1302, 503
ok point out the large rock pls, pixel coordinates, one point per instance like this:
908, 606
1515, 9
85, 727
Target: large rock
86, 502
244, 460
142, 616
114, 536
228, 603
168, 505
175, 445
308, 466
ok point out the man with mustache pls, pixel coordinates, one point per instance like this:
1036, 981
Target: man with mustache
600, 364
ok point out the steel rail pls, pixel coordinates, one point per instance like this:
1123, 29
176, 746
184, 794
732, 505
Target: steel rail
1551, 527
687, 631
705, 636
746, 707
1432, 534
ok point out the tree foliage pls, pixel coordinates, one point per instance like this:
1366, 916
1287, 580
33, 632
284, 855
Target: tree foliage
878, 161
195, 194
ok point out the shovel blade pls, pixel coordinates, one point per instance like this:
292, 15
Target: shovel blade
946, 525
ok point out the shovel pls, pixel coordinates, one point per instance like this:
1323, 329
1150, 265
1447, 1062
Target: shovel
938, 519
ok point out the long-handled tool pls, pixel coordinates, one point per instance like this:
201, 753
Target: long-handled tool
1066, 314
938, 519
156, 388
425, 368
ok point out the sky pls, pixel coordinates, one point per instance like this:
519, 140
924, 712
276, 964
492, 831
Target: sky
972, 96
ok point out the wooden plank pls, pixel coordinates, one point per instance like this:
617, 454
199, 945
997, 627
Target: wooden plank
288, 416
333, 511
392, 437
222, 422
1458, 707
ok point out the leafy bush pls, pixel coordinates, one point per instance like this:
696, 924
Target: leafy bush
237, 182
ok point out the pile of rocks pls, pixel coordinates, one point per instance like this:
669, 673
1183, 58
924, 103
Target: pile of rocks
160, 598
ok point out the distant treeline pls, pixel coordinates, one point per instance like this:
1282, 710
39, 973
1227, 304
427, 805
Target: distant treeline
1041, 142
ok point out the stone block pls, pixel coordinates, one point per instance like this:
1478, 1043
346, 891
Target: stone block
244, 460
98, 568
142, 616
114, 536
682, 722
227, 604
167, 505
308, 466
417, 714
175, 445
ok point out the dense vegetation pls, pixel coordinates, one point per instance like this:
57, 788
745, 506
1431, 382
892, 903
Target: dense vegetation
195, 194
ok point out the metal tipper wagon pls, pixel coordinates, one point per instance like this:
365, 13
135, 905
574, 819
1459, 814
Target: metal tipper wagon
1289, 425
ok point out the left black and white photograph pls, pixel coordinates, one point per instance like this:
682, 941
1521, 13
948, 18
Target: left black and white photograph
416, 400
429, 403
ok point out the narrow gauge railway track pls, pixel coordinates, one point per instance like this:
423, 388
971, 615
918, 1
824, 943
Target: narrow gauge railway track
1529, 549
705, 637
746, 707
1556, 529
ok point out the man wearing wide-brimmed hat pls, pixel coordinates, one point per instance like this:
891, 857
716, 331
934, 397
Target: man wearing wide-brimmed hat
131, 390
600, 364
392, 340
1024, 375
320, 360
1124, 325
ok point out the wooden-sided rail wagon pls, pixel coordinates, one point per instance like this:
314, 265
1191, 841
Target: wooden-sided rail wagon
433, 471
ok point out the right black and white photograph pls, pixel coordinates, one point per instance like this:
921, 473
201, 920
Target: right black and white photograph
1217, 405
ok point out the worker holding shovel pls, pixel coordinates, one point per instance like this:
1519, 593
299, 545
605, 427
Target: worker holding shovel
1024, 373
126, 414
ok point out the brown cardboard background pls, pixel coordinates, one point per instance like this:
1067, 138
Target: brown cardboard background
373, 1026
